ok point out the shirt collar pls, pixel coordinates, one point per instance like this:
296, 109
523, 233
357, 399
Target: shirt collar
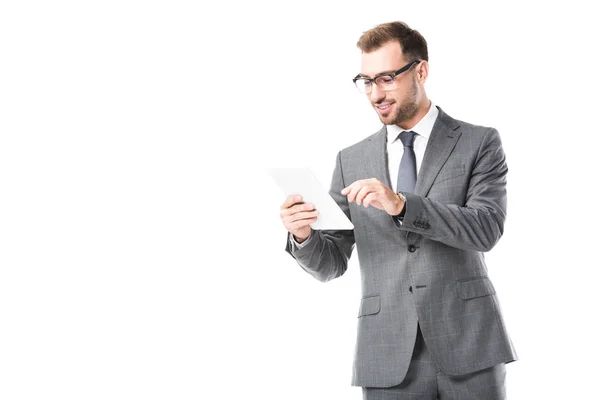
422, 128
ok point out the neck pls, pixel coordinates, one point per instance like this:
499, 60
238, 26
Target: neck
422, 109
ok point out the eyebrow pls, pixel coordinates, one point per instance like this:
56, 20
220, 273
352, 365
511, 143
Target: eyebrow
379, 74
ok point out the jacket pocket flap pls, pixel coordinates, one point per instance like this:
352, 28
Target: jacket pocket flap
475, 287
452, 172
369, 305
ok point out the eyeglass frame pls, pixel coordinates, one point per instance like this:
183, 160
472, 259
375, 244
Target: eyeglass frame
393, 75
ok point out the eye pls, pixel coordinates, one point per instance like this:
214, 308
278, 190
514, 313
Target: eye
384, 80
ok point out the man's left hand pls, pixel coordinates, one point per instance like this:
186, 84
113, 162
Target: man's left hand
371, 192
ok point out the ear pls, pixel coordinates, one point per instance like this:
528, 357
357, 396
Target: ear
422, 72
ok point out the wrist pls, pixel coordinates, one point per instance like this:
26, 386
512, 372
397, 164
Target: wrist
298, 239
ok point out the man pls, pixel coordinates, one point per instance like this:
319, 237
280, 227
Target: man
427, 197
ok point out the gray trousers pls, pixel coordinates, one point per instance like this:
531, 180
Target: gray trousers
424, 380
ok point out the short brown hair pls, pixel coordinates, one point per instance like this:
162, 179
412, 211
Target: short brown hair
413, 44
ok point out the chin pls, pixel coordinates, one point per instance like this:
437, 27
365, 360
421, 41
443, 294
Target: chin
388, 119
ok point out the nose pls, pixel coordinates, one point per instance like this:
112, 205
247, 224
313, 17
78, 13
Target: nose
376, 94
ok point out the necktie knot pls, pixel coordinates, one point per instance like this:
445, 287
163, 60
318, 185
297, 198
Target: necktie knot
407, 138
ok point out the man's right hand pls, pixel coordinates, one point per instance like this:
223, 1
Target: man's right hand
297, 217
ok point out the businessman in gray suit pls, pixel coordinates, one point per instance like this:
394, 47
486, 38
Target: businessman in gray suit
427, 197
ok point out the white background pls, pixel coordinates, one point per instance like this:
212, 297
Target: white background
141, 250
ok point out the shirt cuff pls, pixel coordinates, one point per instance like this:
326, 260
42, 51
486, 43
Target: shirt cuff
301, 245
400, 217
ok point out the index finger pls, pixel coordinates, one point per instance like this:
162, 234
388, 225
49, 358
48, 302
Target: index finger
290, 201
351, 186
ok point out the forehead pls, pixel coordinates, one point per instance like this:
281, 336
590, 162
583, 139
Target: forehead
385, 59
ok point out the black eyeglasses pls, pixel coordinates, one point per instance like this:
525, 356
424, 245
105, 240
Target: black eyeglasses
385, 81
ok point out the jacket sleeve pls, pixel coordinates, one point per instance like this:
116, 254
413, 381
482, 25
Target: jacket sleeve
325, 255
479, 224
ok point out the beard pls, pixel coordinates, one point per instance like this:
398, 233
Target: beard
406, 109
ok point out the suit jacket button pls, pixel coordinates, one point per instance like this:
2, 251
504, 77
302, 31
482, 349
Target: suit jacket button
412, 248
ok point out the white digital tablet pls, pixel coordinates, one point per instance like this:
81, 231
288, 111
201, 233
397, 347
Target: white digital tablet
301, 181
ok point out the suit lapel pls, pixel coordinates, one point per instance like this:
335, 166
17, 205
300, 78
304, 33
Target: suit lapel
444, 135
377, 156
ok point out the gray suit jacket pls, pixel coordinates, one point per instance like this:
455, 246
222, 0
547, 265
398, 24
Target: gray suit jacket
430, 268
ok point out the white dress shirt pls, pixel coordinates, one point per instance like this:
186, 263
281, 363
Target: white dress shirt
395, 149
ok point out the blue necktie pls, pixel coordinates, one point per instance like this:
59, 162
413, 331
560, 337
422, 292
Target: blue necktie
407, 173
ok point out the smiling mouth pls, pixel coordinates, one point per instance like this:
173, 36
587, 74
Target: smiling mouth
383, 107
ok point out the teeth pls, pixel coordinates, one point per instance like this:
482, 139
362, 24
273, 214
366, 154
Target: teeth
383, 107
